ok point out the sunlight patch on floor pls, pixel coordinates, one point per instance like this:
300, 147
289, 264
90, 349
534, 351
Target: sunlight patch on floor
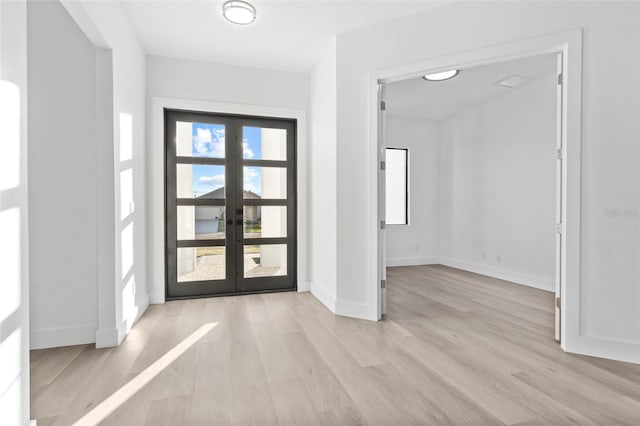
112, 403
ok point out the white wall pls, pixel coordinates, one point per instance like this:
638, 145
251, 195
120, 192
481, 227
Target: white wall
322, 166
122, 282
418, 242
183, 79
89, 173
62, 178
14, 243
202, 86
610, 240
498, 194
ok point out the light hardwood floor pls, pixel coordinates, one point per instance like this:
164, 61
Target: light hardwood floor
455, 348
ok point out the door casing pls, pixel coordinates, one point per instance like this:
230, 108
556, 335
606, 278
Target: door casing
569, 45
155, 184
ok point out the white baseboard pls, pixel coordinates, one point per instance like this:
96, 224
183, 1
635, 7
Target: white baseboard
605, 348
122, 332
346, 309
106, 338
502, 274
155, 299
353, 310
110, 337
124, 327
411, 261
68, 336
323, 296
144, 304
304, 286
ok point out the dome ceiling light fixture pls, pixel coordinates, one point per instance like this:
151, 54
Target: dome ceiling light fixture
239, 12
441, 76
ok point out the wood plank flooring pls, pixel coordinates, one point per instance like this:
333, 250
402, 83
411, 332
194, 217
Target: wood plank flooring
455, 348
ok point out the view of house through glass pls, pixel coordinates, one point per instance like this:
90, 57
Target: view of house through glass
230, 205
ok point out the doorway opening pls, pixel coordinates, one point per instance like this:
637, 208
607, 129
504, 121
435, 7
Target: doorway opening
230, 204
564, 155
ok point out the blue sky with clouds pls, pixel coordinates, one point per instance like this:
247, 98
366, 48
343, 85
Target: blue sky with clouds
209, 141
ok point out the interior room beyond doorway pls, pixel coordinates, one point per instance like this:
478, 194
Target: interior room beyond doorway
482, 173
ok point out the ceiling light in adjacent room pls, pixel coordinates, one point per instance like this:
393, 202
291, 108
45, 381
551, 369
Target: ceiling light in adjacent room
239, 12
441, 76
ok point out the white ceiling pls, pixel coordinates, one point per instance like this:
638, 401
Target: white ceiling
417, 98
287, 35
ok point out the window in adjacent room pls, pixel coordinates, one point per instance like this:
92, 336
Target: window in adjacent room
397, 186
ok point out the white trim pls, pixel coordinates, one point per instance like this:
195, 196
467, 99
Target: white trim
125, 326
304, 286
570, 45
144, 304
325, 298
528, 280
110, 337
353, 310
64, 336
607, 348
412, 261
107, 338
155, 179
347, 309
159, 298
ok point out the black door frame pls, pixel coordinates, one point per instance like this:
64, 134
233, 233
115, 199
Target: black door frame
234, 241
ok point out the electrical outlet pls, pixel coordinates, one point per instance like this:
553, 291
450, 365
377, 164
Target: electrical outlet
484, 254
499, 259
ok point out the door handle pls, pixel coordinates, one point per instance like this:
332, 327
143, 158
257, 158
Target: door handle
239, 222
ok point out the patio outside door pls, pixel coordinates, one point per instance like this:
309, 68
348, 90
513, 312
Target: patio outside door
230, 204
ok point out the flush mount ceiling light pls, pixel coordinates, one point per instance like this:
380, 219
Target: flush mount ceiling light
239, 12
441, 76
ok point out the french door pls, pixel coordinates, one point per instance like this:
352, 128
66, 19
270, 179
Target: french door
230, 204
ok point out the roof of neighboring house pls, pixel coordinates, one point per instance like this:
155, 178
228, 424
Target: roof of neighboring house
219, 193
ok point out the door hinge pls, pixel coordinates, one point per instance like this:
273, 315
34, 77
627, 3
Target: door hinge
560, 78
559, 228
383, 105
559, 154
558, 303
383, 224
383, 165
383, 283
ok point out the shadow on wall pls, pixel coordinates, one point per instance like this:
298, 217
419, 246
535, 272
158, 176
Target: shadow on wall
12, 217
126, 222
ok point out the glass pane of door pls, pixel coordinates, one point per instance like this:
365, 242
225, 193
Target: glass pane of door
201, 222
265, 260
200, 181
265, 182
265, 221
264, 143
200, 140
201, 264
